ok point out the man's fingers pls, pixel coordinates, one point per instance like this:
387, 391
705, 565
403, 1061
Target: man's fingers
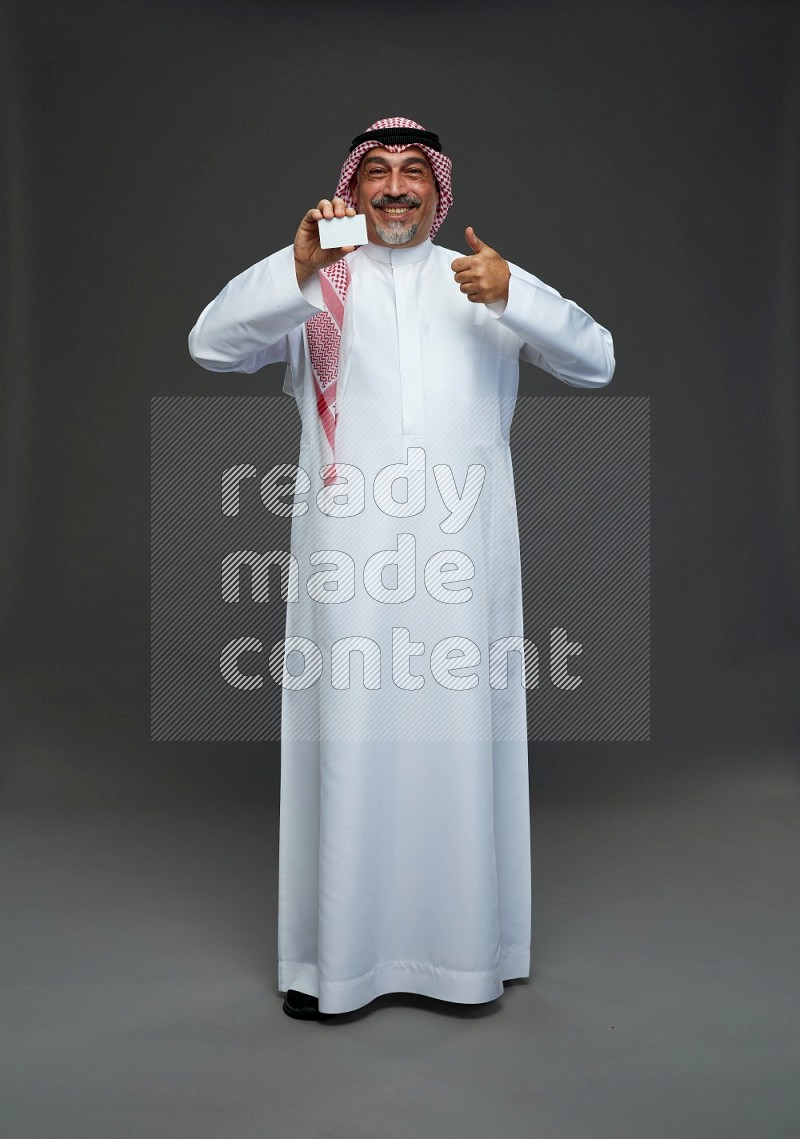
461, 263
473, 239
335, 208
329, 209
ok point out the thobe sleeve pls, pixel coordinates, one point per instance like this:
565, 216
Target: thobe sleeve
556, 334
248, 324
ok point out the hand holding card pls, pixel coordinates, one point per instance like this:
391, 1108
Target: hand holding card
316, 247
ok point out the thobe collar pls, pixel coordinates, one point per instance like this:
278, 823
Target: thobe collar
398, 255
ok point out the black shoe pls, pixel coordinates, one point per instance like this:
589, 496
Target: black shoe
301, 1006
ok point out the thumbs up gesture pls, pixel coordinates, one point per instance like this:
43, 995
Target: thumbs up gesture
485, 275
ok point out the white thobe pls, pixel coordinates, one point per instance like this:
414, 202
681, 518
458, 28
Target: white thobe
404, 860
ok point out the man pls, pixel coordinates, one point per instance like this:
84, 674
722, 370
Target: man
404, 861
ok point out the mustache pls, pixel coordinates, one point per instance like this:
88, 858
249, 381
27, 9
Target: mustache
384, 200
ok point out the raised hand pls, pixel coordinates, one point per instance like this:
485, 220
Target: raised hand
485, 275
309, 257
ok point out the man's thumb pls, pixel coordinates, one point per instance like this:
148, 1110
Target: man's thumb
473, 239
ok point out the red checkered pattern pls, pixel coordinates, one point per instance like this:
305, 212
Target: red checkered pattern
325, 329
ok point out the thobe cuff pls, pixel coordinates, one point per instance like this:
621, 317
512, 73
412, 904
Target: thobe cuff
299, 301
312, 292
517, 310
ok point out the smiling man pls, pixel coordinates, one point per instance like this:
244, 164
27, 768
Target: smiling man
404, 862
397, 193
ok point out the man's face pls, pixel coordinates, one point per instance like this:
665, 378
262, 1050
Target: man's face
397, 194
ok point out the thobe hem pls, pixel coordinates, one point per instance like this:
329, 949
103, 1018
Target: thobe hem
455, 985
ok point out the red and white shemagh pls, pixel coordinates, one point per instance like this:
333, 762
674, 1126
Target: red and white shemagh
325, 328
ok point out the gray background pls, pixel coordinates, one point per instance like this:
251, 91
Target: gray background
643, 159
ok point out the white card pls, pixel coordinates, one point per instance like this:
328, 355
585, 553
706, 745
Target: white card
336, 232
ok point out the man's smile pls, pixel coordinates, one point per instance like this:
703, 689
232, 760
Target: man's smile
394, 210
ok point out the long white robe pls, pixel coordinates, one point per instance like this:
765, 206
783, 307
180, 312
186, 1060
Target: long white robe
404, 861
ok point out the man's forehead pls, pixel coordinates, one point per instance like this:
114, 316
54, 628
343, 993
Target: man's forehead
394, 159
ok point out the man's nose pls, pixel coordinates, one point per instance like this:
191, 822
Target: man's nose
397, 184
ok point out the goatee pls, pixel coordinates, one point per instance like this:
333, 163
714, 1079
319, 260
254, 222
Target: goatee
396, 234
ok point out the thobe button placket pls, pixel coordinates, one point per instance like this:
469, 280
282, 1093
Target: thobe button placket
410, 353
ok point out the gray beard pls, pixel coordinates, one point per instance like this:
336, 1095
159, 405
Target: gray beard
394, 234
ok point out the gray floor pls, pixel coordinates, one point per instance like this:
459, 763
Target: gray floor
138, 964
